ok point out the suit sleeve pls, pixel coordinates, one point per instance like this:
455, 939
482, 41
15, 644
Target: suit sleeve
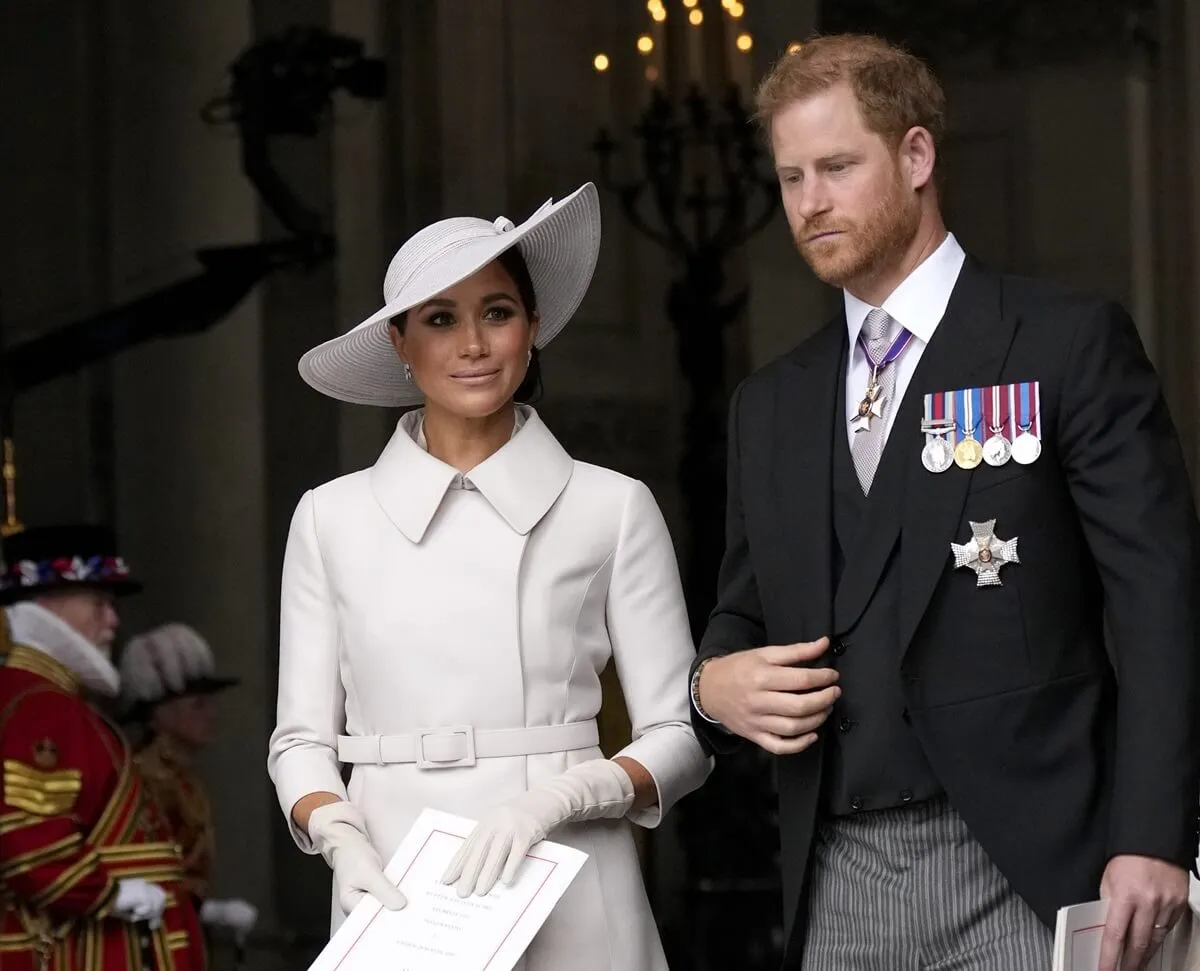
736, 622
46, 860
1125, 469
652, 649
311, 705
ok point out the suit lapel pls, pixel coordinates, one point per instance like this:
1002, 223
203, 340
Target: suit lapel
807, 414
967, 348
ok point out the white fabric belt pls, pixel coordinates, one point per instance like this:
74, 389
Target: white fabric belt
454, 745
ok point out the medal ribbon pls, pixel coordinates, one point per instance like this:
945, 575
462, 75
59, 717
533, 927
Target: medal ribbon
1029, 393
893, 352
967, 402
996, 409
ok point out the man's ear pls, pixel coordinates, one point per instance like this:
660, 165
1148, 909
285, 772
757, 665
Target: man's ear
918, 155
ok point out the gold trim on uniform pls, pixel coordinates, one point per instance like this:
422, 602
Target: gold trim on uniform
65, 881
16, 942
24, 862
116, 802
162, 951
24, 658
11, 822
42, 792
133, 950
136, 852
104, 901
90, 932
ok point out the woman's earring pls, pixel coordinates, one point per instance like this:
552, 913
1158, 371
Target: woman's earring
529, 357
407, 372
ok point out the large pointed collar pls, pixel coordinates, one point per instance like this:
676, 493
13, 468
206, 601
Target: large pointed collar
522, 480
33, 626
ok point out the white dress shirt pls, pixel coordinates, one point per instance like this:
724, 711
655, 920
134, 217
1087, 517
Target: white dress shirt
917, 304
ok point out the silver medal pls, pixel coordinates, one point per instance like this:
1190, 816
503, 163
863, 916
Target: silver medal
996, 450
1026, 448
937, 455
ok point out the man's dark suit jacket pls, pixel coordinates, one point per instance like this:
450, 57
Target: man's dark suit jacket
1056, 756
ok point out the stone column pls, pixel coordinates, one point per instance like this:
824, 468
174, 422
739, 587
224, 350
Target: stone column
188, 433
1177, 258
52, 269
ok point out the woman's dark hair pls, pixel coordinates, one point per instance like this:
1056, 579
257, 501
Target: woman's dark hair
530, 389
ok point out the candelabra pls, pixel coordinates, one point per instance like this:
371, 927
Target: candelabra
690, 177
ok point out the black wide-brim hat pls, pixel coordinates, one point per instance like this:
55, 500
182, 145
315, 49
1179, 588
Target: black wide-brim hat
139, 712
45, 559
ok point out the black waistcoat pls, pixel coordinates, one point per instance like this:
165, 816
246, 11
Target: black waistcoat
872, 757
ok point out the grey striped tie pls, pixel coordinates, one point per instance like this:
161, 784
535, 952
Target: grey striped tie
868, 444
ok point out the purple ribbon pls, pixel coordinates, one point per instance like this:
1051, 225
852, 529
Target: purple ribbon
893, 352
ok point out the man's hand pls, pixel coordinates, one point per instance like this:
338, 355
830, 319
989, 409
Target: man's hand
763, 696
1145, 898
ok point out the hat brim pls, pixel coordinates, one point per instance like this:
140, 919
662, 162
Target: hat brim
560, 244
119, 588
139, 712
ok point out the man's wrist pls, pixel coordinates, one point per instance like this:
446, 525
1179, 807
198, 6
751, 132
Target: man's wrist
695, 693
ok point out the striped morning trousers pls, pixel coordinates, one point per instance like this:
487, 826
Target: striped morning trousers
908, 889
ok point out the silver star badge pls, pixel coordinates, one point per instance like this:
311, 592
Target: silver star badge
870, 407
985, 554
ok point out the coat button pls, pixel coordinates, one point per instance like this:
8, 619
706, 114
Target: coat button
906, 717
856, 803
906, 795
845, 724
839, 648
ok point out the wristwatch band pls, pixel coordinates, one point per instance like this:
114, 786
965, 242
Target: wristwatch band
696, 693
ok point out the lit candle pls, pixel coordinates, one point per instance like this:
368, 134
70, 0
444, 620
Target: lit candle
658, 60
603, 90
696, 45
740, 63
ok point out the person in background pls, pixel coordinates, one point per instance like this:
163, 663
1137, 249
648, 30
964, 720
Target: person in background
90, 876
169, 687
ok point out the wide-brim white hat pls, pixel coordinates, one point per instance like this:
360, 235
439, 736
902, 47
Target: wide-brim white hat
559, 242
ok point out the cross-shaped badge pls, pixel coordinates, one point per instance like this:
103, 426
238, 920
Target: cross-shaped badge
985, 554
870, 407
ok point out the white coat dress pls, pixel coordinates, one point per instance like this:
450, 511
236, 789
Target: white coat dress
414, 597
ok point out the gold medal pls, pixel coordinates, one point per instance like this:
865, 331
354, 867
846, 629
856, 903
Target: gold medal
968, 453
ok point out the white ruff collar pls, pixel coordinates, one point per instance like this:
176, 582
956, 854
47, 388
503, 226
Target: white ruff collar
36, 627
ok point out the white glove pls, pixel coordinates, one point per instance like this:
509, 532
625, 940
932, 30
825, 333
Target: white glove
238, 915
138, 900
339, 833
596, 789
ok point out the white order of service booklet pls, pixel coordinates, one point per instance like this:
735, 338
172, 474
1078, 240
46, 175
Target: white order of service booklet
438, 930
1080, 929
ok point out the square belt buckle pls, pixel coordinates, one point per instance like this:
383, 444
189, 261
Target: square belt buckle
468, 734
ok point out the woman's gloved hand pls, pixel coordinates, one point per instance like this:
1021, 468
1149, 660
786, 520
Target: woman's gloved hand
596, 789
339, 833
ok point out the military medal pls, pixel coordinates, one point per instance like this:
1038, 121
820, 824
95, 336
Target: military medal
938, 454
996, 450
1027, 446
985, 554
871, 405
968, 453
